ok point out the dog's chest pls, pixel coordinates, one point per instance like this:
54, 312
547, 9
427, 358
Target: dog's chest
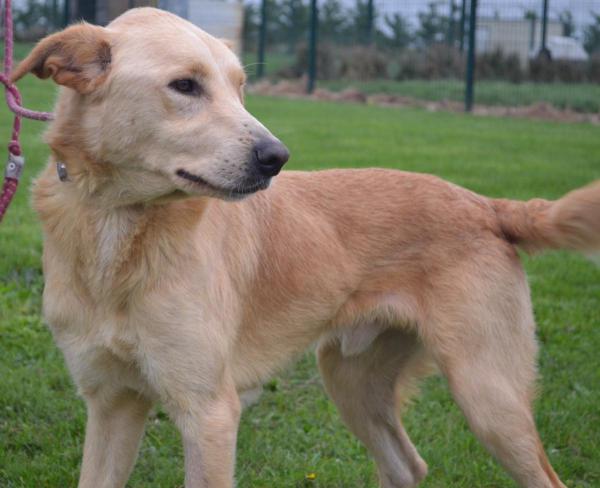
117, 341
86, 331
101, 352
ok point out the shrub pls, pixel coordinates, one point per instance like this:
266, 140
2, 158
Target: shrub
497, 65
407, 65
541, 70
546, 70
593, 71
363, 63
571, 71
438, 61
328, 63
354, 63
442, 61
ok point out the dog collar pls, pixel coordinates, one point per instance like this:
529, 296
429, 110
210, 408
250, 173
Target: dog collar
61, 171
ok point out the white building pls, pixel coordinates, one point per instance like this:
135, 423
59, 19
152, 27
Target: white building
520, 37
567, 48
220, 18
524, 38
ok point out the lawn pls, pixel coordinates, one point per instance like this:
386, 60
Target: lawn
295, 430
580, 97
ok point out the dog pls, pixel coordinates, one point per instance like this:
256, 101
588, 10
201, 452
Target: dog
171, 276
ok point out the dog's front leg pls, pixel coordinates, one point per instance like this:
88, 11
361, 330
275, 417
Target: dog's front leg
114, 427
209, 432
187, 366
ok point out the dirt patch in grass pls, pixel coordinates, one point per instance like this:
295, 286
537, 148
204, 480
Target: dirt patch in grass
538, 111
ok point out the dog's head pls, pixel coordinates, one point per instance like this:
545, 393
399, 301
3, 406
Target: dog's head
156, 106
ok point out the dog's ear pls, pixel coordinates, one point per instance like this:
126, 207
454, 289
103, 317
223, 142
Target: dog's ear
78, 57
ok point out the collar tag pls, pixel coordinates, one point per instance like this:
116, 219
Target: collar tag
14, 166
61, 170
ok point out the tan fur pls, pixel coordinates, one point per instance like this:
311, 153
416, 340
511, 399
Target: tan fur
571, 223
160, 289
78, 57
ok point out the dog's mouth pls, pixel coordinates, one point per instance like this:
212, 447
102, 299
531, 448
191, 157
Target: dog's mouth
237, 191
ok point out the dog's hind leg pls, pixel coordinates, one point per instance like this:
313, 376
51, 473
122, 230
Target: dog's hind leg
115, 426
369, 388
483, 339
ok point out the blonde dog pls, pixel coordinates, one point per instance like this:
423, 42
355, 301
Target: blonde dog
170, 277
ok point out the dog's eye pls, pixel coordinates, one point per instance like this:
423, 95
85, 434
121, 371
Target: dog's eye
186, 86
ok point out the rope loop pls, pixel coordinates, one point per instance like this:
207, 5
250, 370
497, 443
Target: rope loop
14, 103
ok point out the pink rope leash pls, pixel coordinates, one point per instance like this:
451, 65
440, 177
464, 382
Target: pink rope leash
16, 162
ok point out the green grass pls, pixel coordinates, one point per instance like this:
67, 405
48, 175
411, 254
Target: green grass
580, 97
295, 430
20, 49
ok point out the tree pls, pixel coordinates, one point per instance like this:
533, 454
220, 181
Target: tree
274, 35
252, 21
34, 19
399, 36
591, 35
363, 25
250, 26
433, 26
293, 22
568, 24
453, 21
530, 15
332, 21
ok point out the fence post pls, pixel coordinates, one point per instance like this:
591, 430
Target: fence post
463, 18
55, 24
544, 27
262, 40
312, 46
470, 81
66, 13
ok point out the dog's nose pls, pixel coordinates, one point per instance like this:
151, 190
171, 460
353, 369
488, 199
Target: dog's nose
270, 155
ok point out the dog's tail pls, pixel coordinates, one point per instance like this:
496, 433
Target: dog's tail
572, 222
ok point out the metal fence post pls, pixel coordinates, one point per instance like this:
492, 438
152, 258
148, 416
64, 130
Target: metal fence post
55, 15
262, 40
470, 81
463, 18
66, 13
312, 46
544, 27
